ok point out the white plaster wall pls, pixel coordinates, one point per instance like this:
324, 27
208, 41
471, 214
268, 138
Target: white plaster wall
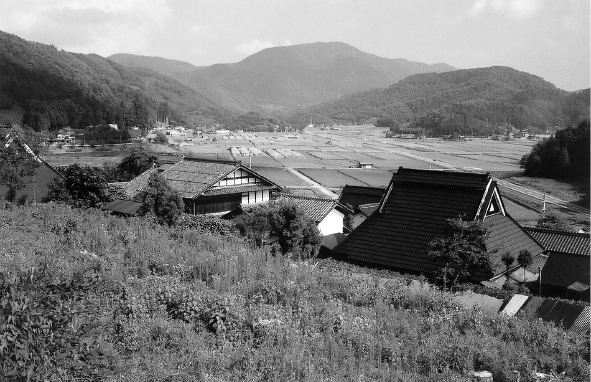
332, 223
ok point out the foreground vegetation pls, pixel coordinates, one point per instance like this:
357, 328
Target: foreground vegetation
89, 295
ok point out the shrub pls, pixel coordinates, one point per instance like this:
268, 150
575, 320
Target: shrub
160, 199
281, 222
461, 252
82, 186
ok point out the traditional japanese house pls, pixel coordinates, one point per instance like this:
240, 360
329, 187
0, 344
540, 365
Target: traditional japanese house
209, 186
414, 211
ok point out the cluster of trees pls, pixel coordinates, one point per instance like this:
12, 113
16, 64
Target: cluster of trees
253, 120
564, 155
51, 101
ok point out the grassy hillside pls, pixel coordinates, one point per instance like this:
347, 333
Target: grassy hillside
85, 295
291, 77
49, 88
462, 99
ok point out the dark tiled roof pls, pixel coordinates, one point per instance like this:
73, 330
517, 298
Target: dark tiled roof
563, 269
476, 181
561, 313
316, 208
505, 234
572, 317
128, 207
137, 184
531, 306
357, 195
190, 178
559, 241
415, 211
368, 209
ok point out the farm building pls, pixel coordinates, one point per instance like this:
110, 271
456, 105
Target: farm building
363, 201
328, 214
209, 186
567, 271
414, 211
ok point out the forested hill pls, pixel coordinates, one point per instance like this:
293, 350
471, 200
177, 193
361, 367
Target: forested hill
47, 88
289, 77
462, 99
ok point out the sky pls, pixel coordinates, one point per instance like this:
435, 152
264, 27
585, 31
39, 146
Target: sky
548, 38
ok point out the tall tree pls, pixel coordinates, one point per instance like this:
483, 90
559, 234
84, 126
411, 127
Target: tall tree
461, 251
82, 186
524, 259
161, 200
134, 164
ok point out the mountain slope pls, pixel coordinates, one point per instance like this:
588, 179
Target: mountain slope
47, 89
453, 100
157, 64
291, 77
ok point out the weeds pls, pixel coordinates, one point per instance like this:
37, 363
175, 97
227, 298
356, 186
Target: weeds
89, 295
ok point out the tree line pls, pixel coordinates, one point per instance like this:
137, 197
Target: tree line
564, 155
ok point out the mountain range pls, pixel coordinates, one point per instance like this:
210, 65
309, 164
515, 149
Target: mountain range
286, 78
460, 99
48, 88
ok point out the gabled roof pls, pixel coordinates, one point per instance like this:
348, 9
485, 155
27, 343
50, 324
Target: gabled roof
357, 195
195, 177
414, 211
560, 241
315, 207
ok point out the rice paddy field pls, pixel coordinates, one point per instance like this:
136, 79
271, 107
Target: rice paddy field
330, 158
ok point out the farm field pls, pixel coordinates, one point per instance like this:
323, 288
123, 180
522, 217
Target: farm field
372, 177
331, 178
329, 157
